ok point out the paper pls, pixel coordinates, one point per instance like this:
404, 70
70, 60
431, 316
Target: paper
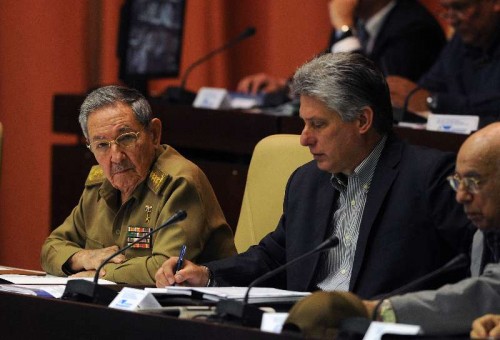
51, 291
20, 271
273, 322
45, 280
257, 294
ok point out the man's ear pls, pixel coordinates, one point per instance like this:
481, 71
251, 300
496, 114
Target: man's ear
155, 129
365, 120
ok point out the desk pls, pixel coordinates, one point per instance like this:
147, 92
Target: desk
219, 142
29, 317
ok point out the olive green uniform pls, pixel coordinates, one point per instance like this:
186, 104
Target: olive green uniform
99, 221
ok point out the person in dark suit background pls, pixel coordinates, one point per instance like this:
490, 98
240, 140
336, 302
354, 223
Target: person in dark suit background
400, 36
388, 202
465, 78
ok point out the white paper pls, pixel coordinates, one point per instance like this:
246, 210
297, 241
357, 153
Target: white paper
463, 124
46, 280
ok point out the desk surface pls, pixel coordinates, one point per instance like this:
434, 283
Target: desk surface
29, 317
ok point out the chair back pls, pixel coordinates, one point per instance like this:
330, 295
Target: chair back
273, 161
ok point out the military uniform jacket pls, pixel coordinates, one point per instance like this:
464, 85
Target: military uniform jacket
99, 221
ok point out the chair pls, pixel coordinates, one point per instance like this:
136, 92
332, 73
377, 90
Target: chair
273, 161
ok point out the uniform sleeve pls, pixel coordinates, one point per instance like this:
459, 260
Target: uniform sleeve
452, 308
63, 242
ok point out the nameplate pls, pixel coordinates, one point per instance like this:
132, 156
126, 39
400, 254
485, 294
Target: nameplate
133, 299
452, 123
273, 322
212, 98
378, 329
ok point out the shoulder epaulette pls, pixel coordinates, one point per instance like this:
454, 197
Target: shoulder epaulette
156, 179
96, 176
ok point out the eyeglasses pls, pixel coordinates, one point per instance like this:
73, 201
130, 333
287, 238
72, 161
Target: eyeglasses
470, 184
458, 10
123, 141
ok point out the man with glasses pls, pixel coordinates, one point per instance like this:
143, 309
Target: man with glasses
136, 187
451, 309
465, 78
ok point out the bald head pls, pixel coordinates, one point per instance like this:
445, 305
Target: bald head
479, 159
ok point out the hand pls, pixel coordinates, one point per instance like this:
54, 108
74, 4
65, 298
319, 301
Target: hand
370, 306
342, 12
400, 87
487, 325
190, 274
260, 82
91, 259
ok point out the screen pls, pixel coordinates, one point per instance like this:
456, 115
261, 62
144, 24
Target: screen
150, 39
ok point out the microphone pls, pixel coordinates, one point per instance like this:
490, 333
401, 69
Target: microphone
180, 94
360, 325
251, 315
91, 291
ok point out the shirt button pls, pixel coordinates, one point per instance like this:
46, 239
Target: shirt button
117, 231
353, 202
343, 271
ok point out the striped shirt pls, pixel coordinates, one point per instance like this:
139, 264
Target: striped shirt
334, 271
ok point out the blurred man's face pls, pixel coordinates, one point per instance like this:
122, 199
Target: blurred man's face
478, 162
476, 21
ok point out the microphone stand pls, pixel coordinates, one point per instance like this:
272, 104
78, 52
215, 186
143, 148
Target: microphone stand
179, 94
90, 291
251, 315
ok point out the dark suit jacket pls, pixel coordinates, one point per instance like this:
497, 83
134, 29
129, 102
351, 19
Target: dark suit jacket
411, 225
409, 41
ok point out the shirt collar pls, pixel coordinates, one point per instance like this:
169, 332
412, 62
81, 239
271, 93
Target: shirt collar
364, 171
374, 24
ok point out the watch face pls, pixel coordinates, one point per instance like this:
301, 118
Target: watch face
432, 102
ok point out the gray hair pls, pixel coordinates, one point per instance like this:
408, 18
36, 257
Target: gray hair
110, 96
346, 83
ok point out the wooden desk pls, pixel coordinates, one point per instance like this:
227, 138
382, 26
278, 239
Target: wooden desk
29, 317
219, 142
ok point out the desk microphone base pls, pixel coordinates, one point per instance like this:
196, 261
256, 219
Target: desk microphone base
245, 313
88, 291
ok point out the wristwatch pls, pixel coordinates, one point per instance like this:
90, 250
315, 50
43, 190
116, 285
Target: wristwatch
345, 32
386, 313
432, 102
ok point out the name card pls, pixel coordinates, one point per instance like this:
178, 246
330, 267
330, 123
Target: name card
133, 299
378, 329
452, 123
212, 98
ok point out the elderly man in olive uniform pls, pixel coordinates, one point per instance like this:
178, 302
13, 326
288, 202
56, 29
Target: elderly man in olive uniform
136, 187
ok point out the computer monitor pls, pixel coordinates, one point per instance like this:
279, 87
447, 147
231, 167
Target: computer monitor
150, 40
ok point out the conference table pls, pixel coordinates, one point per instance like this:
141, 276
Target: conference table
220, 142
31, 317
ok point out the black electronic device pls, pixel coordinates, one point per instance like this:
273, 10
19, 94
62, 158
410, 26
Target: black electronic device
150, 41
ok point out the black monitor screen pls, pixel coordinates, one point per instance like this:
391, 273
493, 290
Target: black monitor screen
150, 39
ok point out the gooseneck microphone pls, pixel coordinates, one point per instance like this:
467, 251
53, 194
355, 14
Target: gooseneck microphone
251, 315
179, 94
91, 291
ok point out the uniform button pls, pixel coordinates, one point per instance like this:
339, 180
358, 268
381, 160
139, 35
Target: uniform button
117, 231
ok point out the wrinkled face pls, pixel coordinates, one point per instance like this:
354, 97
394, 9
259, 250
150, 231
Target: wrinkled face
332, 142
482, 207
124, 167
474, 20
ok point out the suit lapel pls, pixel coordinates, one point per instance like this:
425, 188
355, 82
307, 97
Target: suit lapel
383, 178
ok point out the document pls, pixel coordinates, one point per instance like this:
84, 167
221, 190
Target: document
257, 294
44, 280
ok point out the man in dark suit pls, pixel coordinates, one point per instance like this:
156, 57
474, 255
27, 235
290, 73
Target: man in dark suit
400, 36
387, 202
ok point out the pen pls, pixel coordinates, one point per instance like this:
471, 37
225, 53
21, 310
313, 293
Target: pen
180, 261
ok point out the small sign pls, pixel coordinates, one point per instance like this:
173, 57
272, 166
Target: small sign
273, 322
452, 123
378, 329
133, 299
212, 98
